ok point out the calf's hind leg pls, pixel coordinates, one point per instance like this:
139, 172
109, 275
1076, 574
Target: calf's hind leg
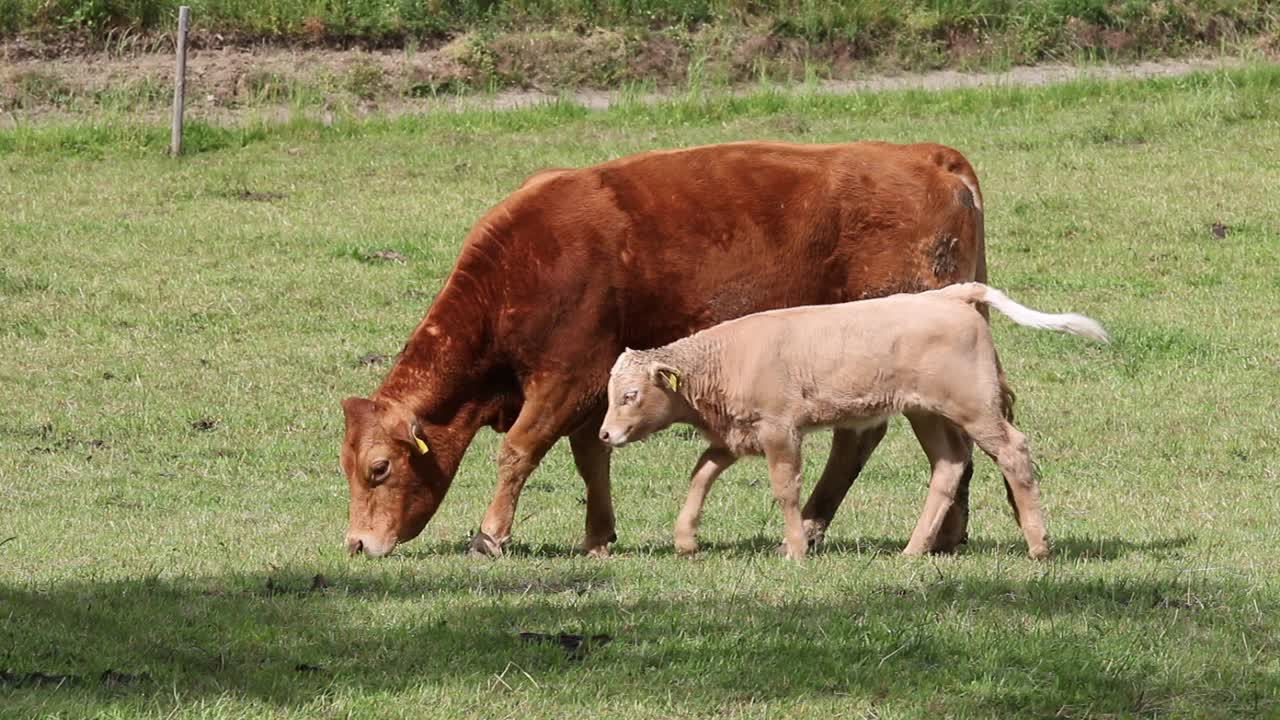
950, 454
1008, 447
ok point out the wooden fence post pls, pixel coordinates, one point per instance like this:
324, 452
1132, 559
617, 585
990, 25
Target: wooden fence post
179, 82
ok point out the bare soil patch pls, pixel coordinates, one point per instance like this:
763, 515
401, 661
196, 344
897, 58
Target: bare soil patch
228, 83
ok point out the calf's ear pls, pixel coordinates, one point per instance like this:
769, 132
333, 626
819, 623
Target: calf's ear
664, 376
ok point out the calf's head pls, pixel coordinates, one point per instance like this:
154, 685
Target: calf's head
643, 399
396, 483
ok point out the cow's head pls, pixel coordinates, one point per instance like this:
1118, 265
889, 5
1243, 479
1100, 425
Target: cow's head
643, 398
396, 480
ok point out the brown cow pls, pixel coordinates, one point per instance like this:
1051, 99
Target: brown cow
557, 279
758, 384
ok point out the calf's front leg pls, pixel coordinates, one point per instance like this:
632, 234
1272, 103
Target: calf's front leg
784, 477
714, 461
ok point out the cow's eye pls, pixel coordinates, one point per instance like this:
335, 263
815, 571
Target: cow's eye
629, 397
379, 471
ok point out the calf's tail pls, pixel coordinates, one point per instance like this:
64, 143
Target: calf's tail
977, 293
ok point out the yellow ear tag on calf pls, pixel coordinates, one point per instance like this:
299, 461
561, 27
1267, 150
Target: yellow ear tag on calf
673, 381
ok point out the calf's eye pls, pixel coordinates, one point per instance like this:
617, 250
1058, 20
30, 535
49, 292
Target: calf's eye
629, 397
379, 471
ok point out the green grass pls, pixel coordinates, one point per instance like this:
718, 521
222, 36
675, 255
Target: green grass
177, 335
817, 19
913, 33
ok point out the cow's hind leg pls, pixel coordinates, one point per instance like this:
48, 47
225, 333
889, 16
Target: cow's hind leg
955, 526
850, 450
1008, 447
545, 417
950, 452
713, 462
592, 460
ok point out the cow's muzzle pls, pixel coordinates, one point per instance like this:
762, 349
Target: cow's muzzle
357, 545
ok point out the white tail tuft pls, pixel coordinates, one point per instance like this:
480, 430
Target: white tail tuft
1064, 322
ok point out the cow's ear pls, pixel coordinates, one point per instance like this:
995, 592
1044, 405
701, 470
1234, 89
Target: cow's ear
357, 409
664, 376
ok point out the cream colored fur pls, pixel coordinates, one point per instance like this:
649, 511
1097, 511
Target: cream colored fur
758, 384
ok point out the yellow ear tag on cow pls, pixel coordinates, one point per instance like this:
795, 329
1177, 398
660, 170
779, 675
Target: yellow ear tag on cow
422, 446
673, 381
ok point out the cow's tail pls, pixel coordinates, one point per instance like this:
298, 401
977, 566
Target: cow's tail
1007, 396
1072, 323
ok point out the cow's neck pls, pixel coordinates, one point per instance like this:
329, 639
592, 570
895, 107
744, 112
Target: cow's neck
438, 374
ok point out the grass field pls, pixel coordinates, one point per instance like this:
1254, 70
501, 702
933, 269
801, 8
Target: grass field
177, 334
481, 44
860, 21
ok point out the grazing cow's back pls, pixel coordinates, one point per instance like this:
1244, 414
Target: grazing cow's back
556, 280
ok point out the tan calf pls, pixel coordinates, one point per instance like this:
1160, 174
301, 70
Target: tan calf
758, 384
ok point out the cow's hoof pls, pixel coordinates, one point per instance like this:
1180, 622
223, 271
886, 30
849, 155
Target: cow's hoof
913, 550
483, 545
598, 547
952, 535
1039, 552
815, 532
943, 548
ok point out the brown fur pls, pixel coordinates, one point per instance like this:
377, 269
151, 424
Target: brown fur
758, 384
554, 281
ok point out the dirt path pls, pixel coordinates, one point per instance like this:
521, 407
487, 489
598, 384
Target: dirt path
229, 85
939, 80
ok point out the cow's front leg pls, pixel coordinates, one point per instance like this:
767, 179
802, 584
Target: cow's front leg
543, 419
592, 459
850, 450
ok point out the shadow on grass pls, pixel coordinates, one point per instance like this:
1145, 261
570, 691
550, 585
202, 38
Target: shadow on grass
1065, 548
964, 645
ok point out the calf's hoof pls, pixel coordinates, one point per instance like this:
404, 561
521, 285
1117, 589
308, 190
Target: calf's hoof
791, 553
686, 547
597, 551
484, 545
1039, 552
